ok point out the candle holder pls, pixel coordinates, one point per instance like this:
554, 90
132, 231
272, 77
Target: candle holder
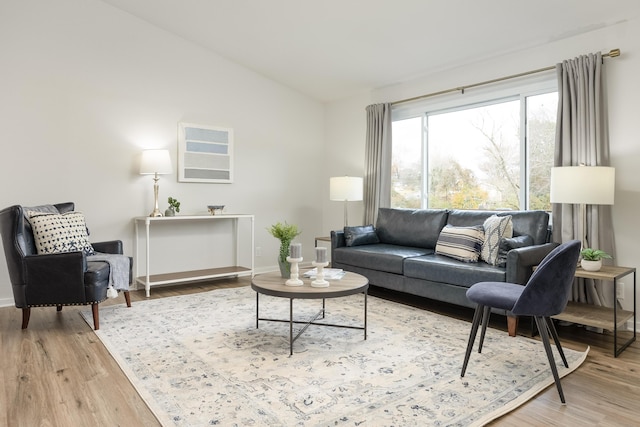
293, 280
319, 281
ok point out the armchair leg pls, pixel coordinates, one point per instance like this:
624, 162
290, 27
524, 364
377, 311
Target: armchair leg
96, 316
127, 298
26, 314
512, 325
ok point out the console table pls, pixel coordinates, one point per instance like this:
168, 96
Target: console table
603, 317
149, 279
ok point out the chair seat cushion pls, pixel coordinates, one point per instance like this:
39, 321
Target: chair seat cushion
495, 294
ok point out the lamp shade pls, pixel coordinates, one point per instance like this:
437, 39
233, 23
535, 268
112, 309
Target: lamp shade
155, 161
589, 185
345, 188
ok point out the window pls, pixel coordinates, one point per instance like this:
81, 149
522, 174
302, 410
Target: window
484, 154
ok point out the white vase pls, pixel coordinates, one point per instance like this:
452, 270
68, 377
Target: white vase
591, 265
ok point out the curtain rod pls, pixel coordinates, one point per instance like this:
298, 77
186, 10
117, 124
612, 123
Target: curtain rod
612, 53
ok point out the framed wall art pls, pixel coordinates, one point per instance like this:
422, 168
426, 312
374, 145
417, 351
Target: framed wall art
205, 153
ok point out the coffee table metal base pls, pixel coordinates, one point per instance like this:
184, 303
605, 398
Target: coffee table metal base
312, 321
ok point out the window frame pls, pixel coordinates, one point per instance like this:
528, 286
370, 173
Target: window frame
509, 90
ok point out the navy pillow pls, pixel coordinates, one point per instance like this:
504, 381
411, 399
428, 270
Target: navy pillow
361, 235
506, 244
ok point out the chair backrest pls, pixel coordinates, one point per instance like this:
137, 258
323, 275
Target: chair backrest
17, 238
547, 291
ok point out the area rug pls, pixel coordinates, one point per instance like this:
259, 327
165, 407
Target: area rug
198, 360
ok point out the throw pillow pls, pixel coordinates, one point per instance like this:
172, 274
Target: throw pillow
361, 235
54, 233
461, 243
506, 244
495, 228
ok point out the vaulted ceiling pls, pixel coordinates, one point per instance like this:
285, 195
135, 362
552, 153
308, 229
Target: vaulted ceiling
331, 49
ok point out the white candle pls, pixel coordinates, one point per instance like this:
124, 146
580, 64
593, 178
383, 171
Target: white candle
321, 254
295, 249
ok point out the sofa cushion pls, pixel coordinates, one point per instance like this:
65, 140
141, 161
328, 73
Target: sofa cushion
419, 228
361, 235
495, 228
438, 268
506, 244
533, 223
54, 233
379, 257
461, 243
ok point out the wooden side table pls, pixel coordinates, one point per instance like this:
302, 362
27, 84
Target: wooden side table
604, 317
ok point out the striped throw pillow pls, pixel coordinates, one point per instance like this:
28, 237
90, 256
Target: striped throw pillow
461, 243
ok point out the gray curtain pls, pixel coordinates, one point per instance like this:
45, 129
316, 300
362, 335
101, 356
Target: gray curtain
377, 168
582, 137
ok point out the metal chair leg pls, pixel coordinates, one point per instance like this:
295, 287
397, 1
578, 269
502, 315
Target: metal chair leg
485, 321
556, 339
472, 337
542, 328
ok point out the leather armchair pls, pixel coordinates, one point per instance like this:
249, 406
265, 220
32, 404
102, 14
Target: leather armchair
58, 279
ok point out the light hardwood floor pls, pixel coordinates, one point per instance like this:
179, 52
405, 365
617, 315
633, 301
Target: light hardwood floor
57, 373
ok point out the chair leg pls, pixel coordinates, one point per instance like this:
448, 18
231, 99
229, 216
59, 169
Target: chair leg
26, 314
556, 339
58, 308
542, 328
96, 316
472, 337
485, 321
127, 298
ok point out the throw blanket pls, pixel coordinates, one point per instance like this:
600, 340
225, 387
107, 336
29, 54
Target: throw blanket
118, 269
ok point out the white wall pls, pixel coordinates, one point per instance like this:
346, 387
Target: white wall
346, 117
85, 87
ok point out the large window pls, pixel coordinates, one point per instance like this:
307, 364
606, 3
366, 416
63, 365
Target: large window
493, 154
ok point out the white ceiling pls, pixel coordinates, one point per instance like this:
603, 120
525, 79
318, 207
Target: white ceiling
332, 49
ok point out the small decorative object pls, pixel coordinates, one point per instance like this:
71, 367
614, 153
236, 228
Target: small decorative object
285, 233
295, 257
320, 263
592, 259
215, 209
174, 206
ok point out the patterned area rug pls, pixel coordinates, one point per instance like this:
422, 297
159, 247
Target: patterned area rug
198, 360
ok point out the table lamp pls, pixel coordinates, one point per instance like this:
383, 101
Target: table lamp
345, 188
583, 185
155, 162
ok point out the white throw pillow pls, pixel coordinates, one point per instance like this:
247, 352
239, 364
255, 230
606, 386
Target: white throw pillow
54, 233
495, 228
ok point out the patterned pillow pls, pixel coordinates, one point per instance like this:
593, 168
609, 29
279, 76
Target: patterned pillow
461, 243
54, 233
495, 228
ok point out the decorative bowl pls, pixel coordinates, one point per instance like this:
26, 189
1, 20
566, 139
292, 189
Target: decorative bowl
215, 209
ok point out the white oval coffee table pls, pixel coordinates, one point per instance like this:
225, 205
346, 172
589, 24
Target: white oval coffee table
273, 284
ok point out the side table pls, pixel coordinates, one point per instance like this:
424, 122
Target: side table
604, 317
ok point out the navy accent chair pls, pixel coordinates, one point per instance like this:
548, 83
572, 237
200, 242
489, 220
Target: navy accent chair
57, 279
545, 295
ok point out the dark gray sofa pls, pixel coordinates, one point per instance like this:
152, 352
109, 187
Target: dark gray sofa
404, 259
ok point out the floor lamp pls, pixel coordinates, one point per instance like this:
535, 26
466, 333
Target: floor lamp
155, 162
345, 188
583, 185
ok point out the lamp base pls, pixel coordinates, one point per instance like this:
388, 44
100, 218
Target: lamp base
156, 212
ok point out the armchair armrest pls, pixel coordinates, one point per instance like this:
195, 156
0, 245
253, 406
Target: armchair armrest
520, 261
110, 247
55, 277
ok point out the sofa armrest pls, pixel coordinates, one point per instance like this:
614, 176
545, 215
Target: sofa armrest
337, 241
110, 247
520, 261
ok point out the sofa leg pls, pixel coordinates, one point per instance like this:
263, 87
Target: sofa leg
127, 298
58, 308
512, 325
96, 316
26, 314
